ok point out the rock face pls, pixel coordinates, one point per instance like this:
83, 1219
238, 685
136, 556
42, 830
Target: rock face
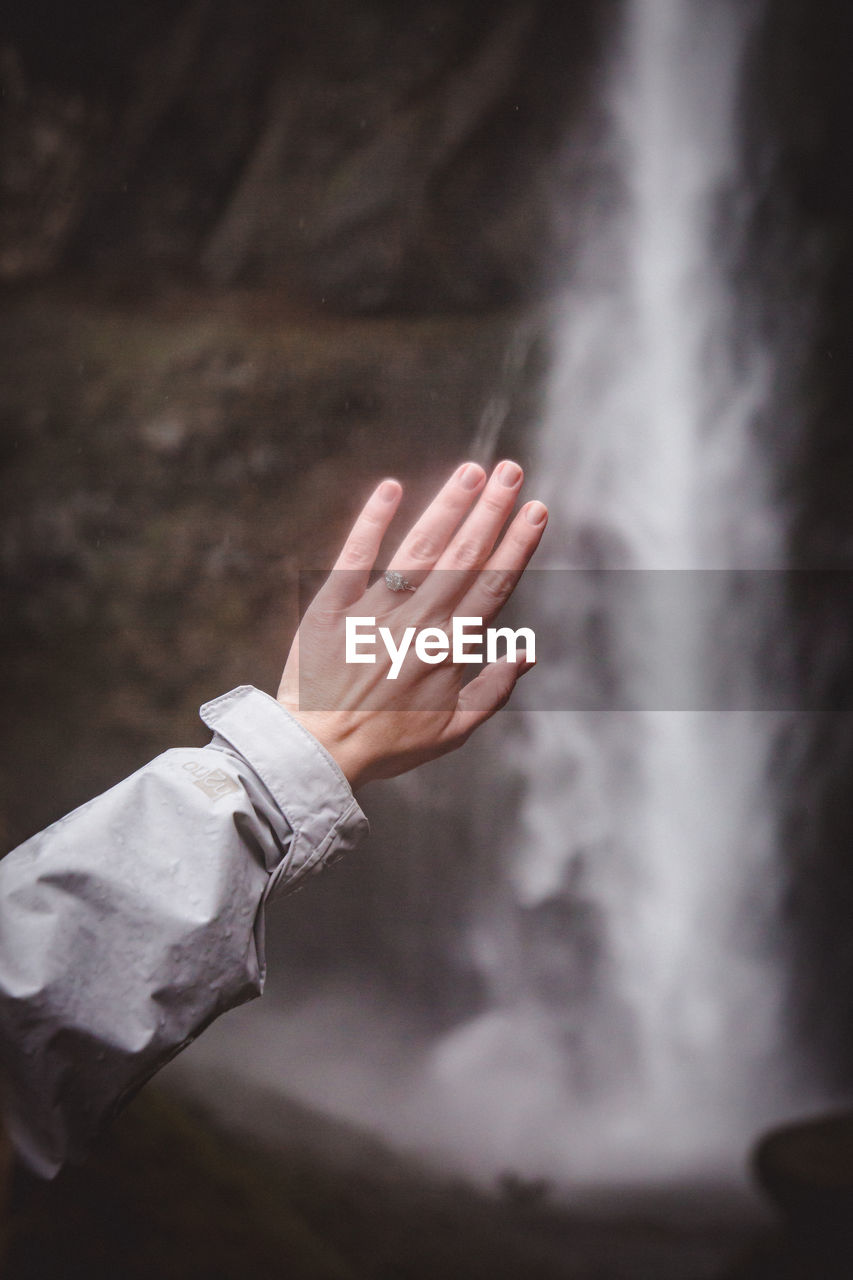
368, 154
802, 255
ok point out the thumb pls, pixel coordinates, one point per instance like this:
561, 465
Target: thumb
486, 694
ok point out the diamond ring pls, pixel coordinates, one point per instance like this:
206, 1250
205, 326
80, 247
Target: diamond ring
395, 581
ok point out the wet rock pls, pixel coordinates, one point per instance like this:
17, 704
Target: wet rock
807, 1169
366, 157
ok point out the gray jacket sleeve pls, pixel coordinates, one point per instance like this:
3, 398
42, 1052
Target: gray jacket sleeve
130, 924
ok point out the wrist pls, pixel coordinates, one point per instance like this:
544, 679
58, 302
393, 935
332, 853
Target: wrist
327, 728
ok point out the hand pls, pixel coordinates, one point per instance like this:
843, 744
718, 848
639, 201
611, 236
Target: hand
375, 727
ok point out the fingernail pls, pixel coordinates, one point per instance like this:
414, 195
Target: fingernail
388, 490
470, 476
525, 664
509, 474
535, 513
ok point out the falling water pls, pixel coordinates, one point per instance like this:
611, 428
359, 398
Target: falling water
642, 887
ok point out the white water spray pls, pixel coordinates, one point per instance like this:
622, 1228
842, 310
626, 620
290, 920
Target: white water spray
657, 821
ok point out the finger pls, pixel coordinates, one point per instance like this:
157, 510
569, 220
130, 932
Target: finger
429, 536
470, 547
485, 695
348, 580
493, 586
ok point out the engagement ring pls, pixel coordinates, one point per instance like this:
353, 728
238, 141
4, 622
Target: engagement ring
395, 581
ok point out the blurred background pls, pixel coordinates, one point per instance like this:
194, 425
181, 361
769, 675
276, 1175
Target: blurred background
253, 258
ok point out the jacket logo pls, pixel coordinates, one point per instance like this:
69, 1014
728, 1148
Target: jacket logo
213, 782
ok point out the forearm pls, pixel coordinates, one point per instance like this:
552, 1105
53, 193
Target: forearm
129, 925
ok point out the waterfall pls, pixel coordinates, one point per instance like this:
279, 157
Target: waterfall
623, 933
637, 997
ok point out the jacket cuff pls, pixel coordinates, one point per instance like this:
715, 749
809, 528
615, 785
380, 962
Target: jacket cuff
303, 779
